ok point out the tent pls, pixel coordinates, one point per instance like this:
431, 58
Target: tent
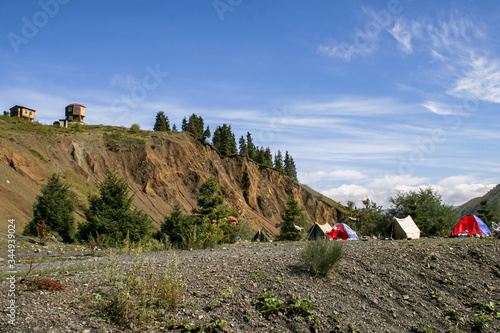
404, 228
470, 225
343, 231
261, 236
319, 231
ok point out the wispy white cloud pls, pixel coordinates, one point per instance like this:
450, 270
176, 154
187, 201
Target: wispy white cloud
400, 32
441, 108
481, 80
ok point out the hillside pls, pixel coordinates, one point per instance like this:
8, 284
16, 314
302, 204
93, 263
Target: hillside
471, 206
161, 169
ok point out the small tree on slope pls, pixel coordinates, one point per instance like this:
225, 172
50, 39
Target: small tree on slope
292, 217
55, 206
110, 214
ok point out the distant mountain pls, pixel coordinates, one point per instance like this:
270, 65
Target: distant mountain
471, 206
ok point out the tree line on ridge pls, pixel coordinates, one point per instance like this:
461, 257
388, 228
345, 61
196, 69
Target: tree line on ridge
224, 141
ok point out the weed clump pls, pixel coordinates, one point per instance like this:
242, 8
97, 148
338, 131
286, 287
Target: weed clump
141, 295
320, 257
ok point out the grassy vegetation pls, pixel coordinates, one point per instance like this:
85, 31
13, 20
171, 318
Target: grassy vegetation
120, 138
320, 257
139, 296
37, 155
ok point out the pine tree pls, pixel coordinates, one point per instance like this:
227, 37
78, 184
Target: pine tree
211, 203
268, 158
110, 214
243, 147
250, 147
290, 168
206, 134
224, 140
209, 199
184, 125
178, 227
292, 217
196, 126
55, 206
278, 162
174, 128
161, 123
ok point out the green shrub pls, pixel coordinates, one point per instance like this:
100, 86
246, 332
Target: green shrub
135, 128
321, 256
140, 296
209, 228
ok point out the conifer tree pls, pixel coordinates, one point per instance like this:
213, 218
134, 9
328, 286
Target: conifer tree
292, 218
161, 123
278, 162
55, 206
224, 140
290, 169
110, 214
250, 147
184, 125
243, 147
206, 134
195, 125
209, 199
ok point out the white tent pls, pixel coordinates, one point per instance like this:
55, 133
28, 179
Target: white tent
404, 228
318, 230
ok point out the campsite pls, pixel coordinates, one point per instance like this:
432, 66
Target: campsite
379, 286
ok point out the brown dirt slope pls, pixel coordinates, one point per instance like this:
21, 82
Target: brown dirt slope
161, 168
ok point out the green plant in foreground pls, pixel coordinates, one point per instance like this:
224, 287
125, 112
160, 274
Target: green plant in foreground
353, 329
223, 295
436, 295
141, 295
216, 325
449, 280
321, 256
481, 320
267, 304
423, 327
300, 307
452, 315
491, 308
259, 276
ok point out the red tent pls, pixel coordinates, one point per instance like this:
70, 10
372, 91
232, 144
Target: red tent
342, 230
470, 225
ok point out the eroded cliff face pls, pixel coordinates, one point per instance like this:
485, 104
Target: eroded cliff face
162, 169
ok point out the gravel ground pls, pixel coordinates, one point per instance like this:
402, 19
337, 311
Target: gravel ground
380, 286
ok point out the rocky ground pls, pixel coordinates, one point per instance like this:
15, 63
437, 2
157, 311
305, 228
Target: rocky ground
380, 286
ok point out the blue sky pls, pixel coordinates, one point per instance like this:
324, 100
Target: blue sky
369, 97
